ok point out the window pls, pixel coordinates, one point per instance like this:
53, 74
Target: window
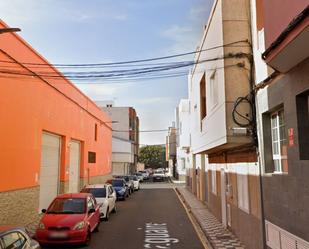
279, 142
110, 191
302, 103
95, 132
243, 192
91, 157
14, 240
203, 111
90, 204
214, 182
213, 89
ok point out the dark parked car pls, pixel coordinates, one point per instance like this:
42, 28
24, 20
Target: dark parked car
129, 183
17, 238
122, 190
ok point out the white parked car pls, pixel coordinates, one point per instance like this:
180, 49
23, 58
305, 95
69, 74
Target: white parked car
158, 175
145, 174
140, 176
105, 196
136, 183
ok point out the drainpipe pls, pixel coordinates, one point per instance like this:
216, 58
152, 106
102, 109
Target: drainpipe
255, 132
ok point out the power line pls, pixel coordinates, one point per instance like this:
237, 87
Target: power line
118, 74
134, 61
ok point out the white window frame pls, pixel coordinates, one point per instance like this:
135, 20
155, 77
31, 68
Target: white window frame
214, 182
213, 89
277, 156
243, 192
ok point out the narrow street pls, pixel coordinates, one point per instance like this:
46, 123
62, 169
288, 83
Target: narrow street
127, 228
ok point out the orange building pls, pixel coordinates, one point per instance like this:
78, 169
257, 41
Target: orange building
54, 139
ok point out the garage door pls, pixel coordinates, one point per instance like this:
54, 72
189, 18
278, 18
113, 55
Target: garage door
74, 166
49, 173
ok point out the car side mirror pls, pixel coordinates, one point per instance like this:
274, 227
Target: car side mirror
91, 210
43, 210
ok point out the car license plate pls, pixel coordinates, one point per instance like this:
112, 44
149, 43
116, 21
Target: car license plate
58, 235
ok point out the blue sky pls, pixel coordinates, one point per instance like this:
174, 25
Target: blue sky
92, 31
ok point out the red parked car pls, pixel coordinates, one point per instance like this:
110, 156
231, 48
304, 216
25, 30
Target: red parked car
69, 219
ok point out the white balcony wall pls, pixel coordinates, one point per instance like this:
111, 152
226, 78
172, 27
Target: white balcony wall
209, 132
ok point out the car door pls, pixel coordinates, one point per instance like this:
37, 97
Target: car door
92, 217
111, 198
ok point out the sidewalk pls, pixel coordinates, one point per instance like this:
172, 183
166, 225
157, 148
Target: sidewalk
218, 236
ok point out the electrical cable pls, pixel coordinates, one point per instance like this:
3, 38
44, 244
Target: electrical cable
133, 61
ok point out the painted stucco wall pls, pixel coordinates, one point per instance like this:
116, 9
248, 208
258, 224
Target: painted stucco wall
30, 105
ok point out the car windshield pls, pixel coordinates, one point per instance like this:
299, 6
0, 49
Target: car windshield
117, 183
159, 172
126, 178
134, 178
96, 192
139, 174
67, 206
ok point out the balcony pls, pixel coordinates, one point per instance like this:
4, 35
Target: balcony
290, 47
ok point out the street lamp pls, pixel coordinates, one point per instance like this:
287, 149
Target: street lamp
9, 30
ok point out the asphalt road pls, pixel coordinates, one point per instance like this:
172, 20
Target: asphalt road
149, 218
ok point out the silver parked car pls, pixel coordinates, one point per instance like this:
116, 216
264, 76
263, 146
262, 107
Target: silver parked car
17, 238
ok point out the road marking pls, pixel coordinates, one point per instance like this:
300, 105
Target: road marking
157, 236
196, 226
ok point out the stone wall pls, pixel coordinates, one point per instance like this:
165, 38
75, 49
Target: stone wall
20, 207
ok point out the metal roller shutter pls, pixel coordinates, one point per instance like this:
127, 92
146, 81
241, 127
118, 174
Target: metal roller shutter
49, 172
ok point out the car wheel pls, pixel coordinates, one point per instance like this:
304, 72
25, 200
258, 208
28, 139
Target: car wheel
114, 209
88, 238
107, 215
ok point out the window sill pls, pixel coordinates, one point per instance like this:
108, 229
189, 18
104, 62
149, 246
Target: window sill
277, 173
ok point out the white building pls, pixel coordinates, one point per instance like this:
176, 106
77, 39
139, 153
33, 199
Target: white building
183, 138
125, 143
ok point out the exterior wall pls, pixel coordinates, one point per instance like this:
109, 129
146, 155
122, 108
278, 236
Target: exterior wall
213, 36
125, 128
245, 223
11, 203
31, 105
286, 195
276, 21
228, 23
120, 168
121, 116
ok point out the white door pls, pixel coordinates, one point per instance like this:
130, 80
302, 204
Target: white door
223, 197
74, 166
49, 171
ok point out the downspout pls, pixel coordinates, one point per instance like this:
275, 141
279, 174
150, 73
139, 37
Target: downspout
255, 134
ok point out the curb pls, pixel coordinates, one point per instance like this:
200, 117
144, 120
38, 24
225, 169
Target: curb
210, 244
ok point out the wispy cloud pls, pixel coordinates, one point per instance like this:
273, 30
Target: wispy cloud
34, 11
200, 11
102, 92
154, 100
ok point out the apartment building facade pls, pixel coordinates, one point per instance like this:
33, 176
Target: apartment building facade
183, 138
125, 137
171, 151
280, 43
54, 139
225, 169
